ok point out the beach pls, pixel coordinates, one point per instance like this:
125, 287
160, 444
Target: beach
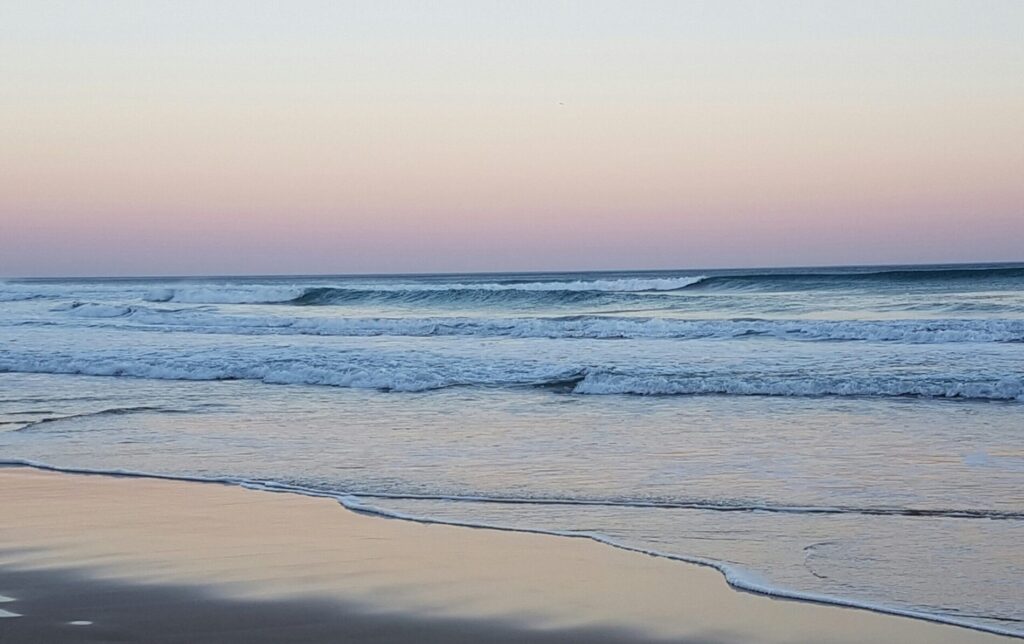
512, 322
110, 558
847, 436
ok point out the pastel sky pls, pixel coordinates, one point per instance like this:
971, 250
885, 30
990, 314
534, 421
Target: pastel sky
225, 137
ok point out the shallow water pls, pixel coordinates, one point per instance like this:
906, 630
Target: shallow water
845, 433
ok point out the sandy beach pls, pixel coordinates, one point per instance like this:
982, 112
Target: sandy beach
104, 558
512, 322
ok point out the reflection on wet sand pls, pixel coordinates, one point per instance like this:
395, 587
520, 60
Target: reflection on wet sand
233, 545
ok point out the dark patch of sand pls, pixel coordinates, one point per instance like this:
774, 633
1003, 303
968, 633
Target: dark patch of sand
48, 601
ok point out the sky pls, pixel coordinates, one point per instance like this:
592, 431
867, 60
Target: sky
231, 137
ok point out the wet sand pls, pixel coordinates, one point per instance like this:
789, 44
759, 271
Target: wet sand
166, 561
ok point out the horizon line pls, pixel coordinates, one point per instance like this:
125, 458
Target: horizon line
1006, 263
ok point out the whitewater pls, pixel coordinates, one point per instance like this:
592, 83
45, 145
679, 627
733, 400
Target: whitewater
848, 435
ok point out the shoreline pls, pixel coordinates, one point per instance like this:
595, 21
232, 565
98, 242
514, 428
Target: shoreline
351, 504
185, 534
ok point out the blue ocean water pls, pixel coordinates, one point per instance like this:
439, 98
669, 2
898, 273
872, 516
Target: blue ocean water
843, 434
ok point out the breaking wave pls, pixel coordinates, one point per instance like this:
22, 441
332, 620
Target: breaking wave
567, 327
95, 309
227, 294
326, 290
570, 291
511, 289
310, 295
382, 372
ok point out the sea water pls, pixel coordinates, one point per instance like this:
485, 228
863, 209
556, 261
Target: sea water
852, 435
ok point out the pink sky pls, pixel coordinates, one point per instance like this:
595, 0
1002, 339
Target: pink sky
174, 139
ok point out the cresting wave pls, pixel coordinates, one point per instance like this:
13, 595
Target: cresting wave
370, 371
734, 575
816, 279
569, 327
311, 295
325, 290
511, 290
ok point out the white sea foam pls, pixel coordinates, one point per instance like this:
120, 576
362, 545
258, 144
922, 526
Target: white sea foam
367, 370
226, 294
592, 326
360, 371
94, 309
597, 383
734, 575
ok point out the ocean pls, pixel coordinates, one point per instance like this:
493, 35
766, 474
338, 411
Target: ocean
845, 435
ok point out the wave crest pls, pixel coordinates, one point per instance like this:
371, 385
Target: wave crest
595, 327
311, 295
218, 294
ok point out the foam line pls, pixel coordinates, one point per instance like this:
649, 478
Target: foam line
596, 327
367, 371
733, 575
944, 513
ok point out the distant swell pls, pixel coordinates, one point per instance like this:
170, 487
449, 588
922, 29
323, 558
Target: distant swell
819, 279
